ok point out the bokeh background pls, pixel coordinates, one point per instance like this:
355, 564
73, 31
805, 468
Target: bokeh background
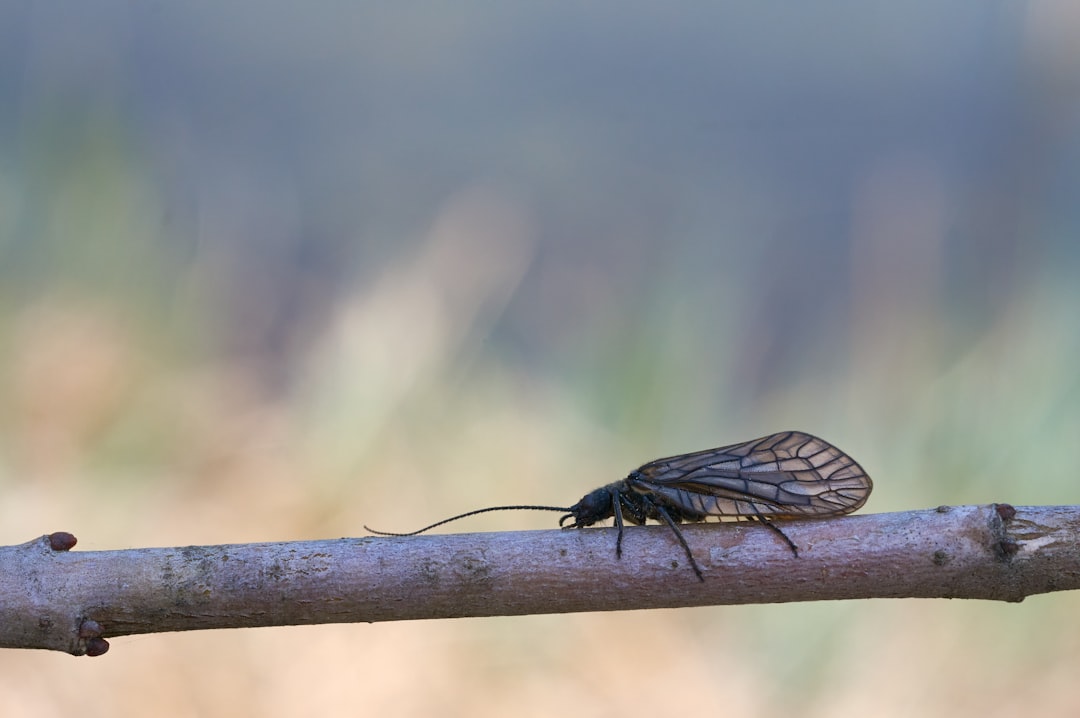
270, 271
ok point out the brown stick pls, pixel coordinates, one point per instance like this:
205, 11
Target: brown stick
70, 601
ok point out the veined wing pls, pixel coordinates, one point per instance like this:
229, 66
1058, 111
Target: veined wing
785, 475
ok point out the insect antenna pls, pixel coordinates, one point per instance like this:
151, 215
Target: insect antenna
469, 513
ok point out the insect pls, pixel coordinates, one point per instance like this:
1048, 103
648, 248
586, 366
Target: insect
788, 475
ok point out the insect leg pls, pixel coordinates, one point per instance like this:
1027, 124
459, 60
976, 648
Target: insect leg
617, 502
659, 510
778, 532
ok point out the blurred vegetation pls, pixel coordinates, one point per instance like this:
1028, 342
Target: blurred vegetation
308, 290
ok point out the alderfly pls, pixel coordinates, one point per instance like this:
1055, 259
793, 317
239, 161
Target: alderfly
789, 475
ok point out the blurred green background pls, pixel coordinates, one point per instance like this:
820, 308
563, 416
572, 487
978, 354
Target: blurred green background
271, 271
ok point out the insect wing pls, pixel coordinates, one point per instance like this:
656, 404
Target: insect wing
785, 475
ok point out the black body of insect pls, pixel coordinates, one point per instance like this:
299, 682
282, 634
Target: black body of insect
787, 475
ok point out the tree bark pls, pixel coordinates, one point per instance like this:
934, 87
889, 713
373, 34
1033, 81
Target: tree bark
73, 600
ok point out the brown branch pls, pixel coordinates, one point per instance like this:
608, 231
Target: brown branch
71, 600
